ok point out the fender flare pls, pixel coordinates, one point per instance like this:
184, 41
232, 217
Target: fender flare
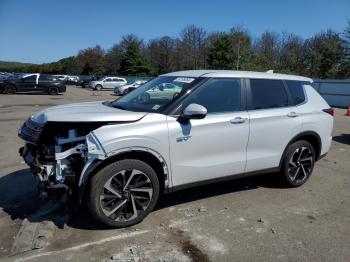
295, 138
93, 164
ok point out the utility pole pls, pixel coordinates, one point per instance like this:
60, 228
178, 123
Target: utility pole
238, 54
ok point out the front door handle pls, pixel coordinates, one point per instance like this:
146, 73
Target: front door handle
237, 120
292, 114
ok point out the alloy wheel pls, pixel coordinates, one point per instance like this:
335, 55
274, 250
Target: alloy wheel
300, 165
126, 194
10, 89
53, 91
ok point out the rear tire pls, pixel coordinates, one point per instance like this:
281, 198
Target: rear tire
123, 193
9, 89
53, 91
297, 164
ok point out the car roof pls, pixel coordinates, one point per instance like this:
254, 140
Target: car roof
113, 77
33, 74
238, 74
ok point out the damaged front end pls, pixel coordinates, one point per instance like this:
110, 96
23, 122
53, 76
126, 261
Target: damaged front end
59, 153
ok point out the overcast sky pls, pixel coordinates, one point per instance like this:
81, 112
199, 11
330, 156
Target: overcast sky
40, 31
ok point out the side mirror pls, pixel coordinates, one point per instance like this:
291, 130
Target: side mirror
161, 88
194, 111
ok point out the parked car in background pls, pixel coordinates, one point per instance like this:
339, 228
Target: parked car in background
4, 75
33, 83
72, 80
85, 80
162, 91
124, 89
61, 77
109, 82
120, 156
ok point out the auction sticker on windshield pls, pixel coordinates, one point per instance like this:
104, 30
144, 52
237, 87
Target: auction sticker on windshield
186, 80
156, 107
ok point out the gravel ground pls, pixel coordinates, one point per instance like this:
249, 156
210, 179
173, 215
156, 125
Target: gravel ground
243, 220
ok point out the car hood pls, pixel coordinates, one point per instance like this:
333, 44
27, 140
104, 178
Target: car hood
12, 80
86, 112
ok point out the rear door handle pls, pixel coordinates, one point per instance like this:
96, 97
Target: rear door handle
292, 114
237, 120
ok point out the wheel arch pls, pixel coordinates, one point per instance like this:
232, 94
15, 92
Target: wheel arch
152, 158
9, 84
310, 136
52, 86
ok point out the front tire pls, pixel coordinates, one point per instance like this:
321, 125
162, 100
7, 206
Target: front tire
9, 89
298, 164
123, 193
98, 87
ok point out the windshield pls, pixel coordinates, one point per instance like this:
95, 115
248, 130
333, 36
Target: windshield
156, 94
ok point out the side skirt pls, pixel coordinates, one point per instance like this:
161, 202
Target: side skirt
222, 179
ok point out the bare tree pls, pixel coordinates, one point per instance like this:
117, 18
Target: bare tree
241, 47
161, 53
90, 60
292, 54
268, 48
192, 47
112, 60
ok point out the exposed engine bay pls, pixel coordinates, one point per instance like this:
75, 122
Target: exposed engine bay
57, 152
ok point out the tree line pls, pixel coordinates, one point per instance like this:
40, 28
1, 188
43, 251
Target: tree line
324, 55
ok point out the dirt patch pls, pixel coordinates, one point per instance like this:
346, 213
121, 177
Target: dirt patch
188, 247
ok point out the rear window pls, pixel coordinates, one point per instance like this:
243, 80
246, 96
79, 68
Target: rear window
297, 91
266, 93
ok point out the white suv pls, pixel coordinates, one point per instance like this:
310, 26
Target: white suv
107, 83
178, 130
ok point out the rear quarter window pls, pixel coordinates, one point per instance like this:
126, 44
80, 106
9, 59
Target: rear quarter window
296, 91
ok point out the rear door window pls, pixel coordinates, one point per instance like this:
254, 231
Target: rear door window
296, 91
266, 94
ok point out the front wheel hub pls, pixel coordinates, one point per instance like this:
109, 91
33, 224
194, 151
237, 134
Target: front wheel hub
126, 194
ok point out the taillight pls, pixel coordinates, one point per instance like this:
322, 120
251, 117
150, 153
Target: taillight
329, 111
